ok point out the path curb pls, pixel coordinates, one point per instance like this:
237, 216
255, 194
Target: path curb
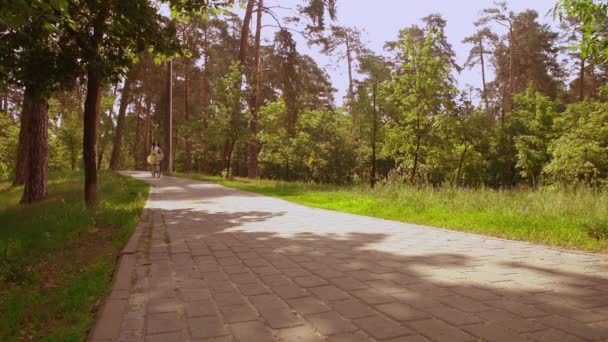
108, 321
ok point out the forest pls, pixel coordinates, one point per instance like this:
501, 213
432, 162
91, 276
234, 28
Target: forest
229, 90
85, 88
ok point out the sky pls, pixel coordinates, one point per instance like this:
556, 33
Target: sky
381, 21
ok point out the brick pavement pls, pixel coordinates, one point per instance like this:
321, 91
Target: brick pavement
208, 263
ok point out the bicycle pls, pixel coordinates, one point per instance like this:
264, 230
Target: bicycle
156, 171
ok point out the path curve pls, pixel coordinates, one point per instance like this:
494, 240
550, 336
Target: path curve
209, 263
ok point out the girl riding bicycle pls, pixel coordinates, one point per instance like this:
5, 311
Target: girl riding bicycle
154, 159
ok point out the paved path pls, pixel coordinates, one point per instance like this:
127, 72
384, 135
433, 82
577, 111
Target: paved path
215, 264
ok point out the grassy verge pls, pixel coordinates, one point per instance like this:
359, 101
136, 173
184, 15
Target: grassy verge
576, 219
57, 257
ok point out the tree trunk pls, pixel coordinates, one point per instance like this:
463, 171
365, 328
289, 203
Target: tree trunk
147, 129
581, 95
416, 157
187, 119
37, 136
24, 142
255, 103
372, 178
137, 129
228, 151
89, 138
120, 125
168, 129
245, 33
461, 162
483, 74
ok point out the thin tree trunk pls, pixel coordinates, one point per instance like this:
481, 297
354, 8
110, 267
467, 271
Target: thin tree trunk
137, 134
483, 74
147, 129
37, 161
461, 161
206, 99
120, 125
187, 119
244, 45
581, 83
89, 139
168, 129
24, 143
374, 137
416, 156
254, 144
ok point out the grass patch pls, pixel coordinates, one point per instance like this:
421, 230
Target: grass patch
57, 256
576, 219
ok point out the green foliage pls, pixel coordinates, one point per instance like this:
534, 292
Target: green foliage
533, 122
580, 153
420, 98
55, 262
9, 138
322, 149
592, 14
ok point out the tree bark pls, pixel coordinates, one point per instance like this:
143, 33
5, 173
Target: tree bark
255, 103
483, 74
37, 136
147, 128
89, 138
187, 119
244, 45
461, 162
372, 177
22, 149
120, 125
137, 130
168, 129
581, 95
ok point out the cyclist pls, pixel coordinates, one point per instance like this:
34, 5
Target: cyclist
156, 156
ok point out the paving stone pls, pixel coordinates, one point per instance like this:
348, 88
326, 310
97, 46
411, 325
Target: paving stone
250, 331
439, 331
353, 337
510, 321
309, 281
308, 305
381, 328
329, 323
401, 312
238, 313
574, 327
493, 332
279, 317
164, 337
206, 327
299, 334
552, 335
352, 308
163, 322
200, 308
329, 293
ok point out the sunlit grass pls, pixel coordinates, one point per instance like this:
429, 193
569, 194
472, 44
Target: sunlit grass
575, 218
57, 256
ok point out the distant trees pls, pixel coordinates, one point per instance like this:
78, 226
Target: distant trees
243, 106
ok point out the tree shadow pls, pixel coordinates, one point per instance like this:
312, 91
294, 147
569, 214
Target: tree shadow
423, 289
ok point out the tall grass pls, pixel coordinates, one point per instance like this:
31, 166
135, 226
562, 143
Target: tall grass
571, 218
